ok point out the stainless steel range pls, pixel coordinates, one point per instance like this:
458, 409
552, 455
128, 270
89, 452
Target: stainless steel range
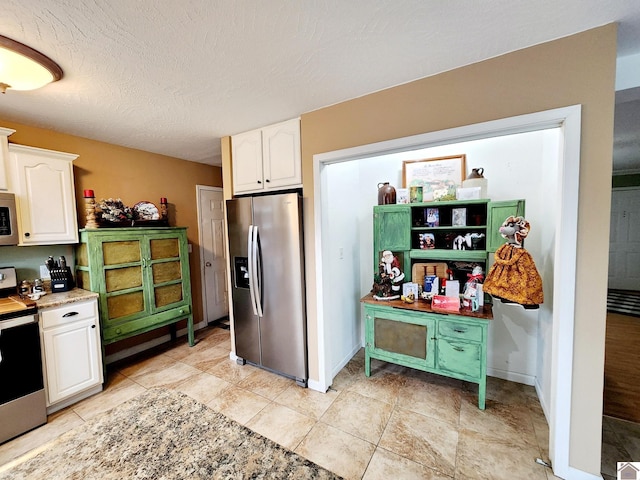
22, 398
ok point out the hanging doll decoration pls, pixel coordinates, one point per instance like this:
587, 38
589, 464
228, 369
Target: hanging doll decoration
513, 278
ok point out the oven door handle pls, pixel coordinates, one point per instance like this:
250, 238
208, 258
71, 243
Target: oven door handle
16, 322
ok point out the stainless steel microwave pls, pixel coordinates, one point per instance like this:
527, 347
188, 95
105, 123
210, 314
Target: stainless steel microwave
8, 219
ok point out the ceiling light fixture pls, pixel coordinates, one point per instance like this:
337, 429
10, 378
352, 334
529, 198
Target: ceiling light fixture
23, 68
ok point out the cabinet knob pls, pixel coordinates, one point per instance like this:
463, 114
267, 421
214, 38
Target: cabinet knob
259, 181
118, 331
27, 234
93, 326
208, 264
267, 180
181, 311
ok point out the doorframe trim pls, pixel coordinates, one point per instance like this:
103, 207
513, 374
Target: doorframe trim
199, 188
569, 120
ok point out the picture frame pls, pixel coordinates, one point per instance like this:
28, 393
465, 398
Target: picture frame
439, 177
402, 195
458, 217
432, 217
426, 241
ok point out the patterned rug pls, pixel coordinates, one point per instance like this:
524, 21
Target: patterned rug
625, 302
163, 434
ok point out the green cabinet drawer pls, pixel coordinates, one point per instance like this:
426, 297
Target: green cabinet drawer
459, 357
461, 331
126, 329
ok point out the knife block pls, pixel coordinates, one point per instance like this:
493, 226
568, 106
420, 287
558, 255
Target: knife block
61, 280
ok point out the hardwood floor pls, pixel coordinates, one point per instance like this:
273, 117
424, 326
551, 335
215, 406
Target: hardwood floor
622, 367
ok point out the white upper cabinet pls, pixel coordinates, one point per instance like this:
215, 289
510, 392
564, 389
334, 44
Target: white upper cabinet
4, 158
42, 181
267, 159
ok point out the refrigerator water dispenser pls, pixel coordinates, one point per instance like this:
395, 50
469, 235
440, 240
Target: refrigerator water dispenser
241, 267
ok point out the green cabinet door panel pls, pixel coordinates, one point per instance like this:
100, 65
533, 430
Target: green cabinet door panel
497, 213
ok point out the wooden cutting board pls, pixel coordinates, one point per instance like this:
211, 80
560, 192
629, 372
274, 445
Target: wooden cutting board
419, 270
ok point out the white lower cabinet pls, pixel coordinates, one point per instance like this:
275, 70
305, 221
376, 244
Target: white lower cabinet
71, 352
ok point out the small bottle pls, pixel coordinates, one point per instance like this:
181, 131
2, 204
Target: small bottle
38, 285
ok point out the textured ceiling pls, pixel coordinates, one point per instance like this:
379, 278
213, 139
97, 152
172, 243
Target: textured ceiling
173, 77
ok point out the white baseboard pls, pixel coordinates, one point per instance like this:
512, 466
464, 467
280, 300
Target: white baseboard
344, 361
317, 386
511, 376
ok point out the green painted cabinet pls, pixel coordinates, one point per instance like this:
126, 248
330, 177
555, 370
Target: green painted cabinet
414, 336
391, 230
498, 212
142, 276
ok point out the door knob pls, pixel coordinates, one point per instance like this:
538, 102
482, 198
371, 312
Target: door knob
208, 264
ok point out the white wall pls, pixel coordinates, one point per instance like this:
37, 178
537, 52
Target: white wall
341, 255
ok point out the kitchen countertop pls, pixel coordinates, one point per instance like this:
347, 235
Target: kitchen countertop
62, 298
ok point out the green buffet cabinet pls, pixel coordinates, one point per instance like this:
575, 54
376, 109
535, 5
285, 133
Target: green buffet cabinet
413, 335
141, 275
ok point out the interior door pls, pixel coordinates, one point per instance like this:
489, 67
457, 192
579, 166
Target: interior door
212, 253
624, 239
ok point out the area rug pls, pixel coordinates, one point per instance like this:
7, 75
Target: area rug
625, 302
163, 434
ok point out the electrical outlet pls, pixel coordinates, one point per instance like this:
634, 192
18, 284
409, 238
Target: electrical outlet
44, 272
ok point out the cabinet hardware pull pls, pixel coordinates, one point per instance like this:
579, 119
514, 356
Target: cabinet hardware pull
459, 330
458, 349
27, 234
259, 181
93, 326
267, 180
70, 314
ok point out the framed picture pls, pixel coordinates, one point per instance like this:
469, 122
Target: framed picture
439, 177
432, 218
426, 241
459, 217
402, 195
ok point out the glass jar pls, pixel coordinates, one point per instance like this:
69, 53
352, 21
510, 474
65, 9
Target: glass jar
25, 288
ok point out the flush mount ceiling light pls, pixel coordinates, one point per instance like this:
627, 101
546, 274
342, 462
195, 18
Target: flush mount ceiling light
23, 68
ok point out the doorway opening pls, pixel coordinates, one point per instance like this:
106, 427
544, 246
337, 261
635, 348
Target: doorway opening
561, 252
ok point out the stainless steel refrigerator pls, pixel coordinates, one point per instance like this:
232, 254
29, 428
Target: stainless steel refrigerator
268, 295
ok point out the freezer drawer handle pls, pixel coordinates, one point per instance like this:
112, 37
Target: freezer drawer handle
70, 314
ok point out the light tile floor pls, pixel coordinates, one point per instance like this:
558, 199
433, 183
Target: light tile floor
399, 423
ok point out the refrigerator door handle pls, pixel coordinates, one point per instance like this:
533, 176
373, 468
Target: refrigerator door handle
257, 272
250, 264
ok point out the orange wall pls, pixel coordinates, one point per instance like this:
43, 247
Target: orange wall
132, 175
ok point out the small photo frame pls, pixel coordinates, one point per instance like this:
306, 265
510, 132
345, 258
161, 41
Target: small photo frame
402, 195
459, 217
432, 217
427, 241
410, 288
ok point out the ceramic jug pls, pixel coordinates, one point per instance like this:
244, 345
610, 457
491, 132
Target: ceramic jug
386, 194
477, 179
476, 173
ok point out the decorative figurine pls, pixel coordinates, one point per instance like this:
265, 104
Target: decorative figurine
388, 282
513, 278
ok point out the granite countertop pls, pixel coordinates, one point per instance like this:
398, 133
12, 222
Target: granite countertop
62, 298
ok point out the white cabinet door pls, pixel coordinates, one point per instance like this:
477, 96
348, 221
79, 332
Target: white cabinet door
267, 159
44, 188
247, 162
281, 155
72, 353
